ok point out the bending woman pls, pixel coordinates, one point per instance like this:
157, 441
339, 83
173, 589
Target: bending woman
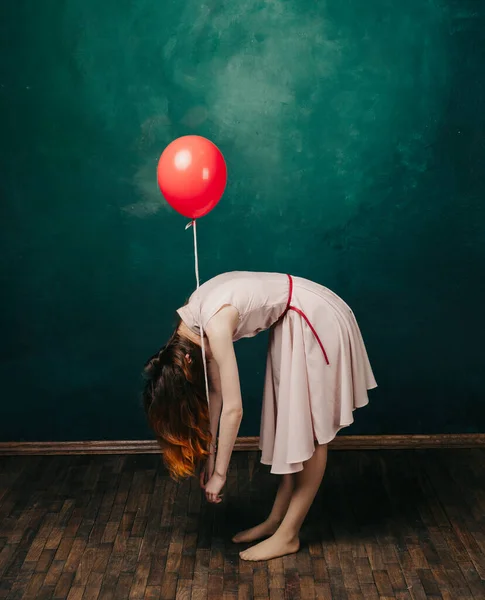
317, 374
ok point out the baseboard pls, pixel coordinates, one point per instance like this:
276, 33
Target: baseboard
341, 442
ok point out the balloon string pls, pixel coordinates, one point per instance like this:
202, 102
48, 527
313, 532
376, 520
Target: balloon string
201, 327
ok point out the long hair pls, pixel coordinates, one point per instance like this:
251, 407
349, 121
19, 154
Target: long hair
175, 402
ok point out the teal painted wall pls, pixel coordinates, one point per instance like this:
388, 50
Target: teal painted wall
354, 137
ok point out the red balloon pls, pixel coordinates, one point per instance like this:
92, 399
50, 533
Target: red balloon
192, 175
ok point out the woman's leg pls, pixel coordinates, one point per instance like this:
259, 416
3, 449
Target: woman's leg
285, 540
276, 516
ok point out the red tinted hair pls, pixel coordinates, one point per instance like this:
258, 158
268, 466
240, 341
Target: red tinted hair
175, 402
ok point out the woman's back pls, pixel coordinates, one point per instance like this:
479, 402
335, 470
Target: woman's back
260, 299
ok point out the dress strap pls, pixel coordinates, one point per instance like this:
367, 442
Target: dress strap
303, 315
290, 294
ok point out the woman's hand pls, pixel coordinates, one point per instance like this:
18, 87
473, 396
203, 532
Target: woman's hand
213, 488
207, 471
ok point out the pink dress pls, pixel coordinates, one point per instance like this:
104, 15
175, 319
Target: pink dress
318, 371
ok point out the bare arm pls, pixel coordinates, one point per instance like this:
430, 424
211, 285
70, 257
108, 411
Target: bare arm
215, 406
215, 400
219, 332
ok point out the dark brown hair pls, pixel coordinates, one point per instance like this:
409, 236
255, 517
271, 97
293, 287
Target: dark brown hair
175, 402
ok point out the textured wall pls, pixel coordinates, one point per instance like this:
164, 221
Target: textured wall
354, 138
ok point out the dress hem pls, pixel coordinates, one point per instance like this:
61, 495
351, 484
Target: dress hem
318, 442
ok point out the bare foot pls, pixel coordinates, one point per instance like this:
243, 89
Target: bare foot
273, 547
264, 529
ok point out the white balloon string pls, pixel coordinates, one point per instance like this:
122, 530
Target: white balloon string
201, 327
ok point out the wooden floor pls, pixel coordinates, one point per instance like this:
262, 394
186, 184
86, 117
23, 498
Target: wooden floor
386, 524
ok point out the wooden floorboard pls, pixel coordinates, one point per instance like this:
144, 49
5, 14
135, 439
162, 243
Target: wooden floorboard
403, 524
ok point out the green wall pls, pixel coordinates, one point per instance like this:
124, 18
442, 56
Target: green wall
354, 138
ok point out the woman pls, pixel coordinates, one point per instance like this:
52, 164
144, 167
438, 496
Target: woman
317, 374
